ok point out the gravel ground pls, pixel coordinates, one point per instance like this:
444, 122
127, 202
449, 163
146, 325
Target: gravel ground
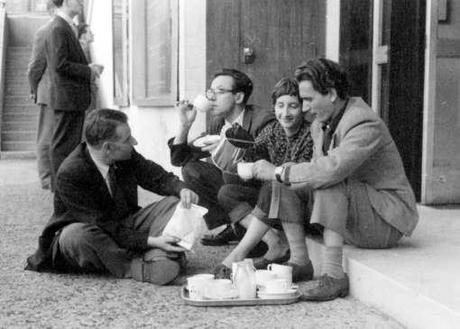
42, 300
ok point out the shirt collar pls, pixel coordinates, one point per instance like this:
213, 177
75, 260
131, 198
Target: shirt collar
239, 119
101, 166
332, 123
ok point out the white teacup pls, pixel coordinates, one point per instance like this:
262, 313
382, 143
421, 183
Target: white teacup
244, 169
197, 284
281, 272
219, 288
276, 286
202, 103
263, 276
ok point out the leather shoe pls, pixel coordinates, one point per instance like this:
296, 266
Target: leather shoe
258, 251
227, 236
222, 272
262, 263
301, 272
328, 288
158, 272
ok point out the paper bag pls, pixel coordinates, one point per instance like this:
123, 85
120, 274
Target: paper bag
186, 224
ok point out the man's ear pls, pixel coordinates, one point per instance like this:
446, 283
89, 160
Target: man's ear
107, 147
239, 96
333, 95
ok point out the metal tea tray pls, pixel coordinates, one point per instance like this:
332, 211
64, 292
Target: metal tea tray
237, 301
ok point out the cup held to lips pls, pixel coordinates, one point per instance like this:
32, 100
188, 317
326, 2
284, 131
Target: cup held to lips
202, 103
244, 169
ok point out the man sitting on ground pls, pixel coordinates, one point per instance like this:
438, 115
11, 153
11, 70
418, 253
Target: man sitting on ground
97, 225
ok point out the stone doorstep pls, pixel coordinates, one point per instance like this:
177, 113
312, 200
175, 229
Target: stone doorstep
411, 283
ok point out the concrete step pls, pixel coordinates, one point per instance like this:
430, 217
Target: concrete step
18, 146
18, 135
7, 155
29, 125
24, 108
17, 100
418, 282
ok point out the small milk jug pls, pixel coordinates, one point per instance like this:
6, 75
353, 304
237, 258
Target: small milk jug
244, 280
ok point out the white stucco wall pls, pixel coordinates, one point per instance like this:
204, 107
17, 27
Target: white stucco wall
151, 126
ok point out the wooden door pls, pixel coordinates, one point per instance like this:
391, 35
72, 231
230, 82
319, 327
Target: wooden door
441, 160
382, 45
281, 34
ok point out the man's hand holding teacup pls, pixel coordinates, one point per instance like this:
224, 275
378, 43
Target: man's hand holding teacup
263, 170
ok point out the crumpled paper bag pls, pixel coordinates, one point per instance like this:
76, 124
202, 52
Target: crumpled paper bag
186, 224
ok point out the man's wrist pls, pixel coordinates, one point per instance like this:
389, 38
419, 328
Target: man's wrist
282, 174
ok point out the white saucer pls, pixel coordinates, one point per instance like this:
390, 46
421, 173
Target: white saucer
278, 295
206, 140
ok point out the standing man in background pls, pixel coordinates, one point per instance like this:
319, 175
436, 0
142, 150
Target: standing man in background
38, 77
70, 78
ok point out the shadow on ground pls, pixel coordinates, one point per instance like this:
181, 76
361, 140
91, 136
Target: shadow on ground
42, 300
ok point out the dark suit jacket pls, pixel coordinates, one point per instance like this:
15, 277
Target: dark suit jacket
82, 196
254, 120
69, 72
37, 73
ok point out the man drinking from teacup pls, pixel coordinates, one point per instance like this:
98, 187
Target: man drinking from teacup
355, 185
227, 104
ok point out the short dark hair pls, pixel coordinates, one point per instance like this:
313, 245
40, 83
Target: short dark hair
241, 82
101, 125
58, 3
286, 86
324, 74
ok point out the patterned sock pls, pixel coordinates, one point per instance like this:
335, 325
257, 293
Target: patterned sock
332, 262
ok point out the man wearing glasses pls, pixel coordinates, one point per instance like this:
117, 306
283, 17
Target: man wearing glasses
228, 96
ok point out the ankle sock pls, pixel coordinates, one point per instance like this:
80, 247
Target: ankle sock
332, 262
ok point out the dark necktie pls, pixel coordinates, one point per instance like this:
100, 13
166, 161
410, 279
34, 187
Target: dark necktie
117, 192
329, 128
327, 133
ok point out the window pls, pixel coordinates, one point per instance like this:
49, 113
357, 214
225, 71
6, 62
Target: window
120, 52
154, 43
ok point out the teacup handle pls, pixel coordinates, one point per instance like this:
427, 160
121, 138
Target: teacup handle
269, 267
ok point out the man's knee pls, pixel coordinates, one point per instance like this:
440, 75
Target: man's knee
225, 194
76, 235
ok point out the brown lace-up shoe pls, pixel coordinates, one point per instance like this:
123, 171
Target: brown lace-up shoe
328, 288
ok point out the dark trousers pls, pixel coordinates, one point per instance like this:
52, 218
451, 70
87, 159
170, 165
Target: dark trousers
67, 134
205, 179
238, 200
84, 247
44, 135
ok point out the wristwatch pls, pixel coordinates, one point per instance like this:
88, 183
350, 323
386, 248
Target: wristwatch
278, 173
